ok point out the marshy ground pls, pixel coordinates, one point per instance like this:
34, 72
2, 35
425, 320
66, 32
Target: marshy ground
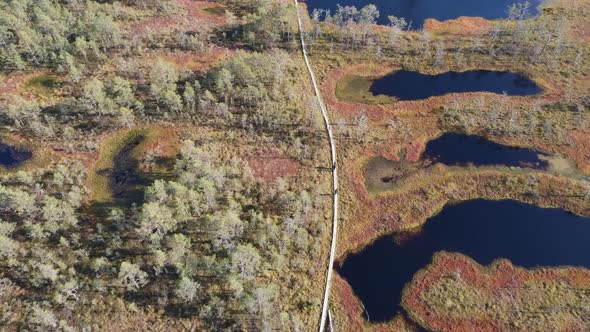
180, 174
387, 186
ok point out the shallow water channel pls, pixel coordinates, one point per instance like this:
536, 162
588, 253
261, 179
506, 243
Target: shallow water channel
417, 11
484, 230
11, 156
410, 85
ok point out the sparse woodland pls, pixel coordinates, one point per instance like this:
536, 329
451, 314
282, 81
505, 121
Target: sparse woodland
187, 238
180, 171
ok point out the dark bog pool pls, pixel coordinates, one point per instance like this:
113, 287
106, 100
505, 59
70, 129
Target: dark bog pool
417, 11
411, 85
11, 156
457, 149
127, 182
484, 230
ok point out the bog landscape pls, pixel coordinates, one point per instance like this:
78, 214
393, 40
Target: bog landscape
285, 165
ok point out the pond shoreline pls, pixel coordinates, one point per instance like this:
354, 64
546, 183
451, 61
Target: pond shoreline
417, 12
378, 275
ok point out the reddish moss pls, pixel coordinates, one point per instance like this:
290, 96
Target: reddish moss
192, 15
460, 26
199, 61
414, 150
270, 166
502, 294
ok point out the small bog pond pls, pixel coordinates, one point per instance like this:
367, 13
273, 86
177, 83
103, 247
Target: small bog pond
417, 11
11, 156
454, 149
411, 85
484, 230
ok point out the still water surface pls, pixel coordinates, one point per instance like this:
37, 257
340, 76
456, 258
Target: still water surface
417, 11
484, 230
410, 85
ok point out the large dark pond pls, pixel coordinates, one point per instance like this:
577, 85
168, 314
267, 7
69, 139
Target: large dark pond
417, 11
11, 156
410, 85
457, 149
484, 230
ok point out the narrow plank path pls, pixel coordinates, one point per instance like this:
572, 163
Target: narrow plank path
334, 174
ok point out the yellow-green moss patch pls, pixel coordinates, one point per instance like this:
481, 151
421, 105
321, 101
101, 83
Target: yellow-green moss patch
357, 89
